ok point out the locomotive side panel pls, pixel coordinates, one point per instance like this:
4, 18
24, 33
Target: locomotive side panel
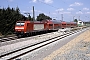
29, 27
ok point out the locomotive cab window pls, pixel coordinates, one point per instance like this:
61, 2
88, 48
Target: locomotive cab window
20, 23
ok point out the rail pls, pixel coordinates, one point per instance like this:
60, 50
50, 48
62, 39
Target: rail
22, 51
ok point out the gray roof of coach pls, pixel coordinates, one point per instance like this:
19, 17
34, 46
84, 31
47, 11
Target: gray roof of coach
56, 21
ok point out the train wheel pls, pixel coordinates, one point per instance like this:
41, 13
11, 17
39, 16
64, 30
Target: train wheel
19, 36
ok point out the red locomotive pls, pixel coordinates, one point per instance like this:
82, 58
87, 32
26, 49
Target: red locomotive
27, 27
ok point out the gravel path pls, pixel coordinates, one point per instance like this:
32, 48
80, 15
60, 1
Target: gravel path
76, 49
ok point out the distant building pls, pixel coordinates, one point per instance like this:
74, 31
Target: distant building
80, 23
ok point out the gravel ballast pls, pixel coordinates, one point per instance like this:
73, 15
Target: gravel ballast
27, 41
76, 49
41, 53
30, 41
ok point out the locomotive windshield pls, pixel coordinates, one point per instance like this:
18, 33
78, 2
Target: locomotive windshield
20, 23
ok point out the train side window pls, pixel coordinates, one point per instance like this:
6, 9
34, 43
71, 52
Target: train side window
67, 24
50, 24
63, 24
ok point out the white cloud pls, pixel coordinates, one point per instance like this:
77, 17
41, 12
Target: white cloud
76, 4
48, 1
66, 12
45, 1
70, 9
34, 1
85, 8
60, 9
54, 13
34, 10
39, 11
31, 11
24, 11
87, 12
46, 14
79, 12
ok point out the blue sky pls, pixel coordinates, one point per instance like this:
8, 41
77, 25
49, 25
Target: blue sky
53, 8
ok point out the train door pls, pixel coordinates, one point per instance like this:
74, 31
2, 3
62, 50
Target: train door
51, 26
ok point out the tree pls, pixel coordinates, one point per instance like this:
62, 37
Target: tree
28, 14
8, 18
32, 19
29, 17
42, 17
54, 19
75, 20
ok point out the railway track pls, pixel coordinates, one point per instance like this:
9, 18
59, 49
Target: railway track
8, 39
16, 54
14, 39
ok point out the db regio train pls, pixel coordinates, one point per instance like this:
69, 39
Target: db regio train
28, 27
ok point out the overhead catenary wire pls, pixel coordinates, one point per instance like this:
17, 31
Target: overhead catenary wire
47, 4
53, 6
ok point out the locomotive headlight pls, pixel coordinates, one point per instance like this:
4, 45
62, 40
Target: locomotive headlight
19, 27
